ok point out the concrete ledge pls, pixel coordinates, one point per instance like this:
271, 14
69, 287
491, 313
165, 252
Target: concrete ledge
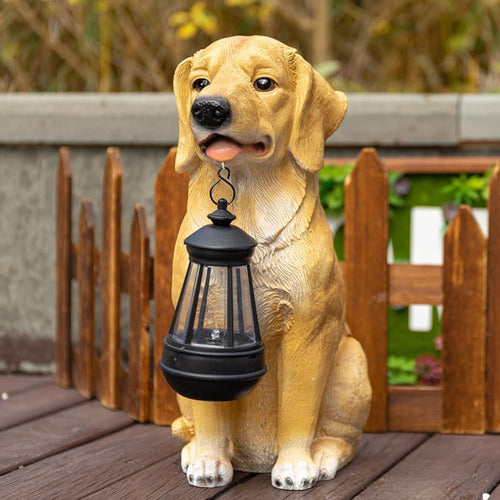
88, 119
398, 119
480, 118
150, 119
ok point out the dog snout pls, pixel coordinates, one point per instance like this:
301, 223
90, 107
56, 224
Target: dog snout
211, 112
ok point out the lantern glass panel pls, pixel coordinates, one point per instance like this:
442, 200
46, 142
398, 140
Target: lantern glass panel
243, 321
210, 322
180, 326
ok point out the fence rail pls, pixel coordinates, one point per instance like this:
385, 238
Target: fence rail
467, 285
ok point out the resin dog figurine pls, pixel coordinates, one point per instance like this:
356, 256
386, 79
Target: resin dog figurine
257, 105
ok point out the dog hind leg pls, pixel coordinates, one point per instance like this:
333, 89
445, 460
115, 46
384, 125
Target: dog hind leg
183, 428
344, 410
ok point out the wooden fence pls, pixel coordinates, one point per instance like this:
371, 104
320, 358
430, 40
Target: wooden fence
467, 285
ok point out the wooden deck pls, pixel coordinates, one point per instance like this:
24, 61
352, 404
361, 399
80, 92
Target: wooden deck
56, 444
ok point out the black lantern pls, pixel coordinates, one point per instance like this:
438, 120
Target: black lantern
214, 351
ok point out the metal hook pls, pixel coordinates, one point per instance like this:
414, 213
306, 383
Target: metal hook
222, 169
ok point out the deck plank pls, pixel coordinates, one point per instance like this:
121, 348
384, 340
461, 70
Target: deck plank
442, 468
12, 384
32, 441
376, 454
91, 467
162, 480
35, 403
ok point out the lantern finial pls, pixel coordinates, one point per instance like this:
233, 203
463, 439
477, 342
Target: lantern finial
222, 216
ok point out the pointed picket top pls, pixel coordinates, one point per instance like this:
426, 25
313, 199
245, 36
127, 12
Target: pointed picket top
464, 222
493, 309
64, 169
370, 157
113, 163
464, 213
86, 220
140, 222
167, 168
367, 163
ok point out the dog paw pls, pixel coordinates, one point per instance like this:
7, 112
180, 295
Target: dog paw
294, 474
207, 471
326, 457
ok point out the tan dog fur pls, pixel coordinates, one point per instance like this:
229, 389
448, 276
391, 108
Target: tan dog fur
304, 419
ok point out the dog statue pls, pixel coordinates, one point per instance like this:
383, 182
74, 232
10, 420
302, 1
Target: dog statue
257, 105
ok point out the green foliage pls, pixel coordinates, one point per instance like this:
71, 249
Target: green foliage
331, 188
469, 189
401, 371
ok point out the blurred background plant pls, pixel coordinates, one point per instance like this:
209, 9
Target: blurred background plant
133, 45
331, 188
469, 189
424, 369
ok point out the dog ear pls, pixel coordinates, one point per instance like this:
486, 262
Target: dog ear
318, 112
186, 158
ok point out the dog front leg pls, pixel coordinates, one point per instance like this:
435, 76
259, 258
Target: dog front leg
207, 458
304, 366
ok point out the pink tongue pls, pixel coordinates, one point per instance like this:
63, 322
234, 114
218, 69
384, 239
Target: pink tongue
223, 150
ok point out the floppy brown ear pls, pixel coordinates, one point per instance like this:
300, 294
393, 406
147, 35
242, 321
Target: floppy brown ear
318, 112
186, 158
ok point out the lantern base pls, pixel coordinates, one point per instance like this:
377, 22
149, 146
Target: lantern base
212, 374
208, 390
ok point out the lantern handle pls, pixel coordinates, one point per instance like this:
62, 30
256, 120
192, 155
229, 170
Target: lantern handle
222, 169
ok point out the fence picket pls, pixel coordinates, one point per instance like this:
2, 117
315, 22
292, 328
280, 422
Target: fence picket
493, 311
86, 301
110, 267
139, 343
63, 267
366, 272
463, 324
170, 207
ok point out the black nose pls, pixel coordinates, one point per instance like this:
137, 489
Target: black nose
211, 112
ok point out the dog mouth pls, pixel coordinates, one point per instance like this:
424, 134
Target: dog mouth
224, 148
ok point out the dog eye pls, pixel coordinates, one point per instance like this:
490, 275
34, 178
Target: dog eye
200, 83
264, 84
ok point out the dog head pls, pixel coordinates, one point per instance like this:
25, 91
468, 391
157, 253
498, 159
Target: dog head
251, 101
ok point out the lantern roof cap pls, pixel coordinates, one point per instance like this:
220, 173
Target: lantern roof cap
220, 243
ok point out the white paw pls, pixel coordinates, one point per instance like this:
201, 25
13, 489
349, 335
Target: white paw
327, 463
208, 471
300, 475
